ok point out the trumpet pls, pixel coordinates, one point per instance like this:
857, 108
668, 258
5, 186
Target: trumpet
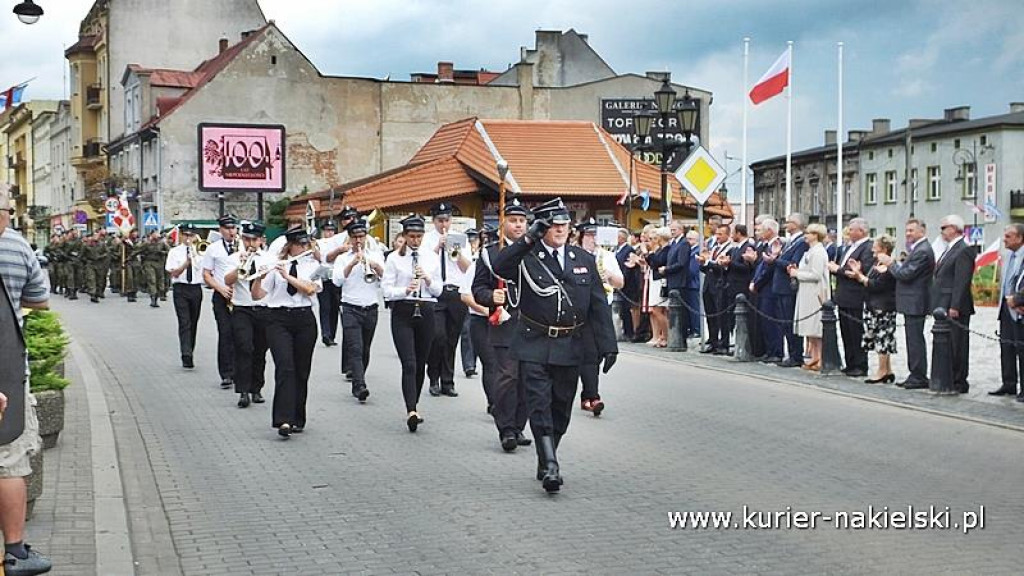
369, 274
455, 251
245, 264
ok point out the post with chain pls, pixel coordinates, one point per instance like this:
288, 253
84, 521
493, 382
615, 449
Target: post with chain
676, 330
742, 353
831, 363
942, 354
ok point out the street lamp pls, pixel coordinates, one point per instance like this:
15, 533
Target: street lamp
965, 159
665, 100
28, 12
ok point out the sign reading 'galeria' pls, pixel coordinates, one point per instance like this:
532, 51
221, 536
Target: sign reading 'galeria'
241, 157
617, 115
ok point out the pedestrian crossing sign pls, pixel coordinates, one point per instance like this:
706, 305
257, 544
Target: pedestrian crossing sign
700, 174
151, 220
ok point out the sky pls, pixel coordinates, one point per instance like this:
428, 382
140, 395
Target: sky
902, 58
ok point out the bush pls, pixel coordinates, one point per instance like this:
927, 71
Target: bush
47, 345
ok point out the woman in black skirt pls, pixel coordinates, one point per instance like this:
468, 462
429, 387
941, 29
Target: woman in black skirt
288, 291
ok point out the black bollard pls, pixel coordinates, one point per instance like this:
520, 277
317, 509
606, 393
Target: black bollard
676, 329
617, 319
942, 355
830, 360
742, 352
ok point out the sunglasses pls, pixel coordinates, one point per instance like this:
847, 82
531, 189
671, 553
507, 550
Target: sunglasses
9, 211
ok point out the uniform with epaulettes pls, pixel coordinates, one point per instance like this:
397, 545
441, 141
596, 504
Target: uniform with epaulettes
557, 299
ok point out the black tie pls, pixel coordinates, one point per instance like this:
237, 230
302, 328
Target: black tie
558, 265
188, 272
293, 271
444, 270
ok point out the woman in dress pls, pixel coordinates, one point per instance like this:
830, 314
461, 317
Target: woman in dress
814, 289
879, 310
288, 291
657, 300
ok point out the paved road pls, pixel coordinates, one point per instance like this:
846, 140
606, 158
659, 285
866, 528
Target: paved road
358, 494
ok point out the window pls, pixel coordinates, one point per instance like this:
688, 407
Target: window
873, 232
871, 188
798, 192
815, 199
871, 155
956, 143
914, 185
969, 176
848, 192
129, 109
934, 146
983, 141
934, 183
890, 187
891, 231
890, 152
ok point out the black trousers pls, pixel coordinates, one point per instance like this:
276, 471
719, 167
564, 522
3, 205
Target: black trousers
291, 333
550, 392
785, 307
1011, 350
467, 349
330, 308
449, 315
225, 337
917, 354
625, 316
853, 334
358, 324
727, 301
478, 331
757, 346
960, 339
250, 338
413, 338
589, 370
510, 410
714, 320
188, 304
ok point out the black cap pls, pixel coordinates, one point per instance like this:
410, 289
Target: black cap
588, 225
442, 209
253, 229
357, 225
227, 221
553, 210
188, 228
471, 233
330, 225
297, 234
515, 207
348, 212
413, 223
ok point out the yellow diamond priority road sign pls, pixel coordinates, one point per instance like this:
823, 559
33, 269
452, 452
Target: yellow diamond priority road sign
700, 174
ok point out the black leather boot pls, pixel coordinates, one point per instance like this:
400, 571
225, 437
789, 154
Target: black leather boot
552, 480
153, 303
243, 400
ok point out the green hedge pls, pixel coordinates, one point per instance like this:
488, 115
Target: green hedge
47, 344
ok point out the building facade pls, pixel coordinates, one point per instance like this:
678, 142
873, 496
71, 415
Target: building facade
18, 149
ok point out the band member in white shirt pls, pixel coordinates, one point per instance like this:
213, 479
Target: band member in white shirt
186, 270
611, 276
247, 314
450, 311
412, 284
330, 296
288, 291
358, 273
216, 264
331, 248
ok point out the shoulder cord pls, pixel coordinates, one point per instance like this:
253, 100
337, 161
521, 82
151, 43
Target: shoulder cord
549, 291
486, 258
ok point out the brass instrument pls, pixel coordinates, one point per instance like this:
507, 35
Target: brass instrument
416, 313
369, 274
245, 264
599, 256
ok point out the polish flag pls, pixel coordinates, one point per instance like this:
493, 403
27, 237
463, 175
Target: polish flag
989, 256
773, 82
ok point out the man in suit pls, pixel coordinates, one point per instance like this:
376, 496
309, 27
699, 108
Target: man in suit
849, 296
831, 248
691, 294
739, 261
712, 265
761, 287
1011, 349
676, 272
633, 284
913, 286
951, 289
784, 290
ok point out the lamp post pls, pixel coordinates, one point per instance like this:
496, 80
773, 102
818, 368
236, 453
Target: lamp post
965, 158
28, 12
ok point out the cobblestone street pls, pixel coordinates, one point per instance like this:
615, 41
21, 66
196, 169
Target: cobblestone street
210, 489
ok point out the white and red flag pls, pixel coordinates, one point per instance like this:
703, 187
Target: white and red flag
774, 81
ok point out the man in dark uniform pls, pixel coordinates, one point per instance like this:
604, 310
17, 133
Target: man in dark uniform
330, 296
562, 291
509, 409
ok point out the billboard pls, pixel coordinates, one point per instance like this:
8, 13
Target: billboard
617, 119
241, 157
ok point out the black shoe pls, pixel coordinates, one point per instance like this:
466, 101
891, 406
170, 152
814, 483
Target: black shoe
131, 298
257, 398
449, 391
435, 389
298, 429
348, 376
508, 441
227, 383
186, 362
413, 422
153, 303
94, 300
914, 385
771, 360
29, 566
706, 349
719, 352
1020, 398
790, 363
887, 379
552, 478
522, 440
326, 341
244, 400
284, 430
361, 393
597, 406
856, 373
1003, 392
471, 372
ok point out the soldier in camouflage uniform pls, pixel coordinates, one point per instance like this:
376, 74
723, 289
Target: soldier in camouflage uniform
130, 267
59, 255
152, 267
103, 266
94, 262
75, 277
114, 249
51, 267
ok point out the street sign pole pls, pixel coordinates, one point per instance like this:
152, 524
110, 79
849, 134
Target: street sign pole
700, 289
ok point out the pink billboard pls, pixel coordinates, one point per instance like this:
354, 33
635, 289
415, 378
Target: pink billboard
241, 157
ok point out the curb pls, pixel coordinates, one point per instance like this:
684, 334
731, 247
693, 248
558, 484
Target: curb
113, 544
809, 386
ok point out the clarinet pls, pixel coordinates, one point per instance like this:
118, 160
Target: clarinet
416, 313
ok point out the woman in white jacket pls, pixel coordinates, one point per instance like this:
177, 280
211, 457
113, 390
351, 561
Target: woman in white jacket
814, 290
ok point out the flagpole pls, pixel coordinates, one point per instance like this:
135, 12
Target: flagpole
839, 151
743, 177
789, 135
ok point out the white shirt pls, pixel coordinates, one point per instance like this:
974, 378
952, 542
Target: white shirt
467, 286
277, 287
176, 257
398, 273
328, 245
453, 275
560, 251
851, 249
948, 248
355, 289
611, 266
242, 294
218, 261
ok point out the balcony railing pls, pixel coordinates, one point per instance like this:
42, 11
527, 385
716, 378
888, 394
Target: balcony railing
92, 96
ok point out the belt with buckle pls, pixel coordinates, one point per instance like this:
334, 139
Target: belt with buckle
552, 331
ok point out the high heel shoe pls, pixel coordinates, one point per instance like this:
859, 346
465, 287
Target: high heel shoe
413, 421
887, 379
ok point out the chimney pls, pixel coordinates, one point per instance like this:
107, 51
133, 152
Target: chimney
830, 137
585, 38
223, 44
659, 76
915, 123
857, 135
445, 72
1016, 107
957, 114
880, 126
